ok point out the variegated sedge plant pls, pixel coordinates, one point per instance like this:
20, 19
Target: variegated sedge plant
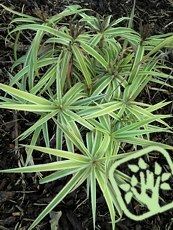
85, 73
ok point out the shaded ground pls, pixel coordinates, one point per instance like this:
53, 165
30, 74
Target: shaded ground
21, 197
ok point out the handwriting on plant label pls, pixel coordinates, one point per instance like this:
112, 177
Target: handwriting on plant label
144, 186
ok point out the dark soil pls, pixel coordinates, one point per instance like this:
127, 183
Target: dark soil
21, 196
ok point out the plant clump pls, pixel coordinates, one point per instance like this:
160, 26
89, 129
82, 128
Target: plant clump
85, 73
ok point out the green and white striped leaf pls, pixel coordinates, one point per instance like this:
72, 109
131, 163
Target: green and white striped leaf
24, 95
